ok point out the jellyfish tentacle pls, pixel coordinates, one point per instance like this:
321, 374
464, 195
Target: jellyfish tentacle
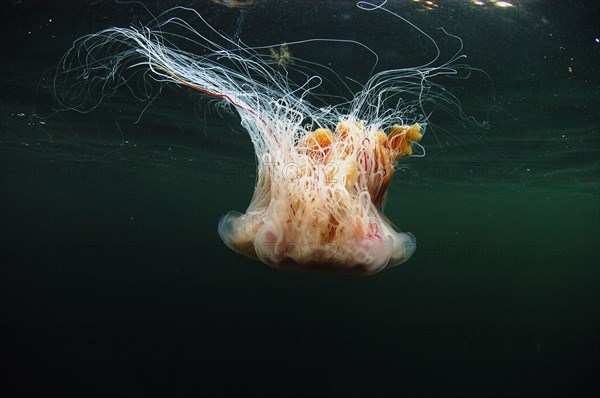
325, 161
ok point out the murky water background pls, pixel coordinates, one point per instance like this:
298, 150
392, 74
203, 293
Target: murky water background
115, 282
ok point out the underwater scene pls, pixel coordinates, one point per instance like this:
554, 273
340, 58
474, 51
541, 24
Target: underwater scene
300, 198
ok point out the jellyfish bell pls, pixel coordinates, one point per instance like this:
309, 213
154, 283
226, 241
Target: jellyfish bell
317, 204
323, 171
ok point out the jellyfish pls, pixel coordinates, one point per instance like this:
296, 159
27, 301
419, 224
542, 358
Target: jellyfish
324, 165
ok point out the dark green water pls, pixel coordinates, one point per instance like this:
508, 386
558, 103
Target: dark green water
114, 281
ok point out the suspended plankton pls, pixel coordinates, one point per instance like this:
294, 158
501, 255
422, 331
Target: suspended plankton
324, 163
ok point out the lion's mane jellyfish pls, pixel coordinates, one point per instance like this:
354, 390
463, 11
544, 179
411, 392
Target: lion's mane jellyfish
324, 163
